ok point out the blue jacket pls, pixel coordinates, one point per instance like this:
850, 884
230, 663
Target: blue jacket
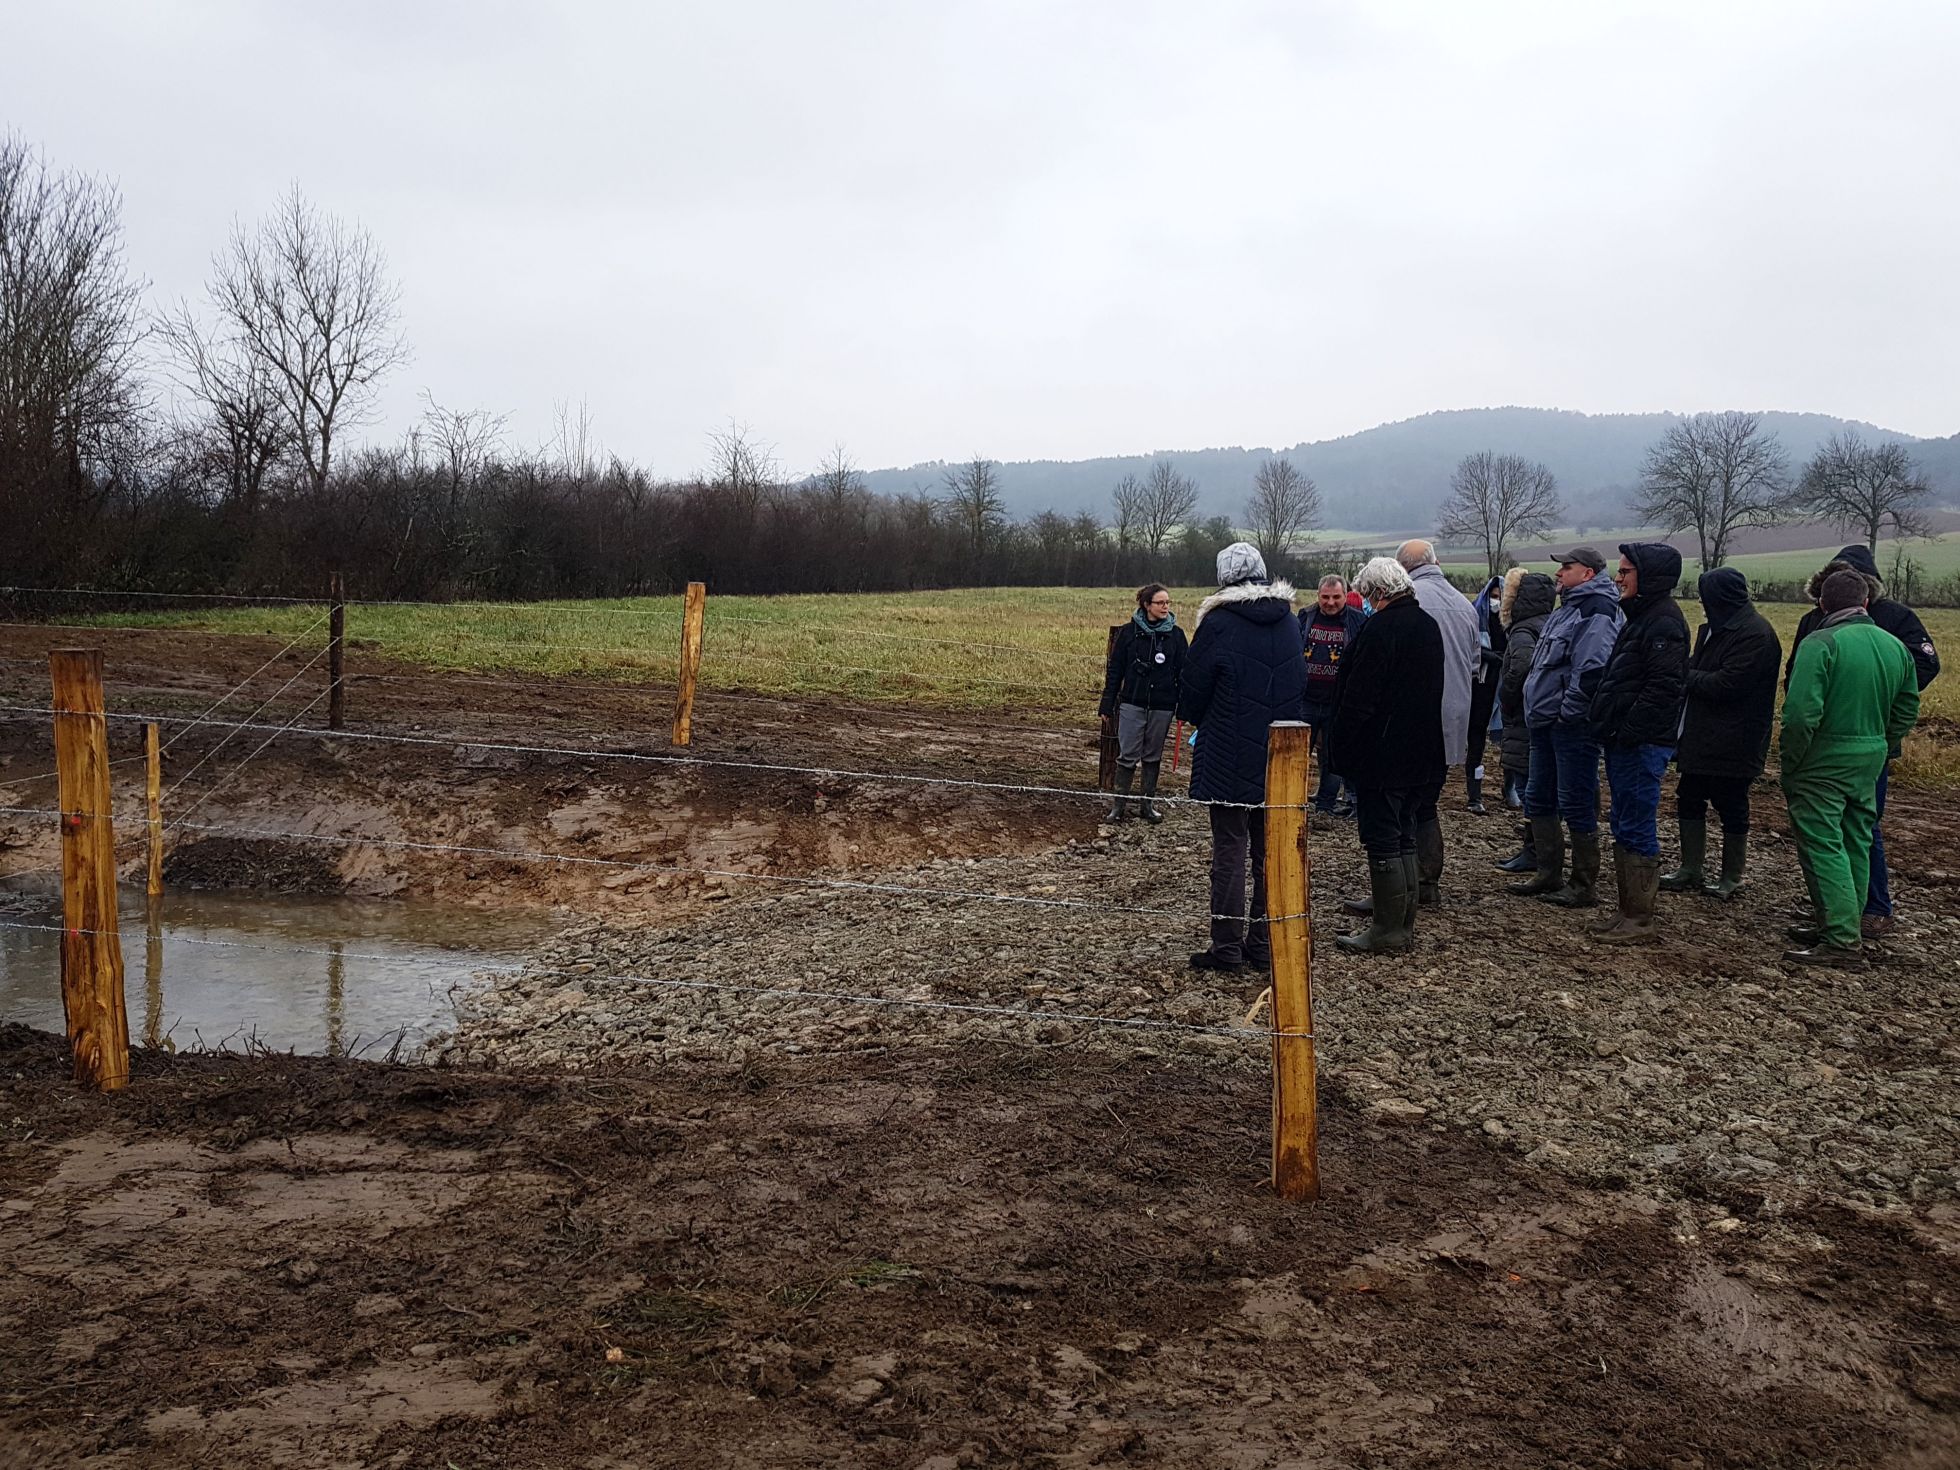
1245, 670
1572, 649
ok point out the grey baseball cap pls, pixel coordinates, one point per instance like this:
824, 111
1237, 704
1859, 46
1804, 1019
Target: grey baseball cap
1587, 556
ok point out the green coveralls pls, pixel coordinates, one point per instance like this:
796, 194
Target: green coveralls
1853, 695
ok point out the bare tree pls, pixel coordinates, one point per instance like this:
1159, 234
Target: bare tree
1495, 499
574, 445
244, 431
309, 296
70, 325
1127, 501
1284, 505
1719, 473
973, 496
1862, 487
743, 467
1168, 501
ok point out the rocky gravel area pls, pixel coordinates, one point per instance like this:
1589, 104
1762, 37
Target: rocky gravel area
1701, 1066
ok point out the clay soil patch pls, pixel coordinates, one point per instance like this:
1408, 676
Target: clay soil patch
993, 1258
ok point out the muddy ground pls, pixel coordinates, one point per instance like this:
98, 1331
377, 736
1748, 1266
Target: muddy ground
1676, 1207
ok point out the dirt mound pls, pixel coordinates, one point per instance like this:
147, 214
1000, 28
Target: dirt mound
263, 866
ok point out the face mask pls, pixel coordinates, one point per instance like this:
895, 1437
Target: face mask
1367, 606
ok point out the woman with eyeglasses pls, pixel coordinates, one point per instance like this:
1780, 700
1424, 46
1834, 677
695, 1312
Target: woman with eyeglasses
1140, 689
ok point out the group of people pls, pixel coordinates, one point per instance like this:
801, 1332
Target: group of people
1402, 678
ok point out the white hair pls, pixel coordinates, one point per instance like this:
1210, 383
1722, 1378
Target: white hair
1382, 580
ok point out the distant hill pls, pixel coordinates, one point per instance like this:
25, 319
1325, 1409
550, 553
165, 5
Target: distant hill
1393, 477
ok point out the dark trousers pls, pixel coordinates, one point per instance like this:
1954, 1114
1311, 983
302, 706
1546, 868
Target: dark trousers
1329, 790
1385, 818
1483, 697
1729, 795
1238, 843
1564, 776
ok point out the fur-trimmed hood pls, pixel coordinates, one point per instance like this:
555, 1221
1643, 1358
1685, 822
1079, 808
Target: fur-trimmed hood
1280, 592
1814, 588
1540, 596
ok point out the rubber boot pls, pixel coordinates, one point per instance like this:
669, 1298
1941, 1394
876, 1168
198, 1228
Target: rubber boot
1474, 787
1694, 852
1119, 808
1581, 887
1607, 921
1411, 883
1145, 809
1548, 837
1735, 859
1640, 886
1429, 862
1525, 860
1388, 884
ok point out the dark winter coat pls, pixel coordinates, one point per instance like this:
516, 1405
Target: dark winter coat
1573, 647
1325, 654
1731, 684
1385, 733
1527, 603
1891, 615
1245, 670
1135, 674
1644, 685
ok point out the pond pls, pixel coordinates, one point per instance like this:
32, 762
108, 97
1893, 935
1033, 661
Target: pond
320, 976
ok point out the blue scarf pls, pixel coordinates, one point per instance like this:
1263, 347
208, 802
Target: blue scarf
1170, 622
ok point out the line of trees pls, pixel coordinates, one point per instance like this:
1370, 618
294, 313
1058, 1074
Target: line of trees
248, 482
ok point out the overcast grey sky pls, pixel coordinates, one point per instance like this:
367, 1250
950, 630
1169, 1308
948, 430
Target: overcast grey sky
934, 228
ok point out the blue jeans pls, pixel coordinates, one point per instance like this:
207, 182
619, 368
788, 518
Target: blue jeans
1633, 775
1878, 897
1329, 792
1564, 777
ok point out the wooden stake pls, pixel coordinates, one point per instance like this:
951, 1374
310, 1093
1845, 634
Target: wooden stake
1109, 747
691, 619
153, 792
336, 651
1296, 1133
91, 949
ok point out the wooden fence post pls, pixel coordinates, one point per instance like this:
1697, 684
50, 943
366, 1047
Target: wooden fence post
336, 651
153, 794
91, 949
1107, 748
695, 610
1296, 1135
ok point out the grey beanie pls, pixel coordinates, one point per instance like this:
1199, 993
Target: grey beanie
1240, 562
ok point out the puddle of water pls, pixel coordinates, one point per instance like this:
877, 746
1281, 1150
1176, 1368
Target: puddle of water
321, 976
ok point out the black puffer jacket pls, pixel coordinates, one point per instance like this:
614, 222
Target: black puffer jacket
1246, 669
1144, 668
1889, 613
1528, 600
1731, 683
1385, 733
1642, 689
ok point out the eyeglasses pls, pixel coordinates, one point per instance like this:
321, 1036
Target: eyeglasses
1623, 573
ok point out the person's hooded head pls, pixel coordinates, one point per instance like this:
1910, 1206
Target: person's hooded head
1724, 594
1844, 561
1240, 562
1657, 571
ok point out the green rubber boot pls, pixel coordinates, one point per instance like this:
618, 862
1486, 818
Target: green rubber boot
1735, 859
1581, 890
1388, 882
1694, 852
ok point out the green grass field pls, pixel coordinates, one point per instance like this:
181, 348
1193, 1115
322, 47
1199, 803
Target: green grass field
1938, 559
992, 648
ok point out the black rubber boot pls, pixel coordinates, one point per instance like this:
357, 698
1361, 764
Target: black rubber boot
1144, 808
1412, 881
1474, 788
1735, 860
1119, 808
1526, 858
1388, 885
1694, 852
1581, 888
1429, 862
1548, 838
